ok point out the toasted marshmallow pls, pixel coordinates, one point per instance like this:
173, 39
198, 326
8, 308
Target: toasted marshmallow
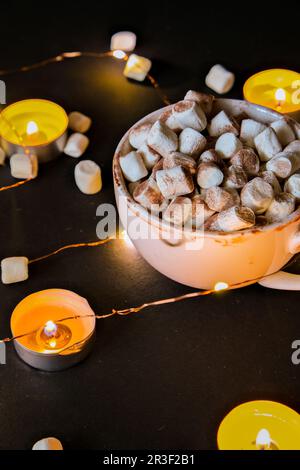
174, 182
205, 100
191, 142
281, 207
79, 122
190, 114
257, 194
235, 177
208, 175
180, 159
283, 131
292, 185
148, 195
88, 177
219, 199
162, 139
76, 145
219, 79
221, 123
149, 156
227, 145
249, 130
23, 166
178, 211
248, 160
267, 144
133, 167
284, 164
139, 134
235, 218
14, 269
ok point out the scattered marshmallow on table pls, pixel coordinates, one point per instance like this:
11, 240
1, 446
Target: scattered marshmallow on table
23, 166
162, 139
235, 218
138, 135
88, 177
271, 178
137, 67
14, 269
221, 123
205, 100
133, 166
267, 144
281, 206
283, 131
249, 130
257, 194
209, 175
123, 40
148, 195
180, 159
219, 199
149, 156
227, 145
219, 79
191, 142
2, 156
248, 160
284, 164
235, 177
79, 122
178, 211
174, 182
292, 185
190, 114
76, 145
48, 443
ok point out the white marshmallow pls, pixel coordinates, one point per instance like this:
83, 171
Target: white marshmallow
227, 145
14, 269
23, 166
180, 159
281, 207
79, 122
191, 142
2, 156
178, 211
284, 164
205, 100
248, 160
133, 166
236, 177
292, 185
249, 130
235, 218
210, 156
138, 135
76, 145
88, 177
162, 139
168, 118
190, 114
220, 199
174, 182
149, 156
123, 40
257, 194
137, 67
220, 124
293, 147
271, 178
200, 211
219, 79
48, 443
149, 196
209, 175
283, 131
267, 144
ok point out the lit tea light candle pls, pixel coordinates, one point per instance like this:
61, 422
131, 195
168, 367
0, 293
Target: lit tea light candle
53, 343
260, 425
34, 126
221, 286
278, 89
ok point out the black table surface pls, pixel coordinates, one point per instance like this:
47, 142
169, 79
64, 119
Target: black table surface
165, 378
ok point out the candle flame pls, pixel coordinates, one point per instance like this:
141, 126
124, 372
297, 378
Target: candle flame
32, 128
50, 328
221, 286
263, 439
118, 54
280, 95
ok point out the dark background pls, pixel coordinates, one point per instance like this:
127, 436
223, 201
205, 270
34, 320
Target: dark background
163, 379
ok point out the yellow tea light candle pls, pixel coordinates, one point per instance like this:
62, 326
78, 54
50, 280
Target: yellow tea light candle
260, 425
34, 126
53, 344
278, 89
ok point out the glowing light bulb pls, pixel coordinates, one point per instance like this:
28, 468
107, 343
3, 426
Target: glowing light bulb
50, 328
263, 440
32, 128
221, 286
33, 135
53, 336
280, 97
118, 54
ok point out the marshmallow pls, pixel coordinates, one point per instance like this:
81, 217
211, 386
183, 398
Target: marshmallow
88, 177
235, 178
132, 186
137, 67
235, 218
219, 79
168, 118
159, 166
267, 144
210, 156
248, 160
133, 166
293, 147
249, 130
209, 175
162, 139
296, 128
190, 114
227, 145
191, 142
174, 182
23, 166
178, 211
257, 194
78, 122
14, 269
2, 156
292, 185
148, 195
282, 205
123, 40
219, 199
284, 164
149, 156
76, 145
138, 135
283, 131
48, 443
179, 159
200, 211
211, 224
271, 178
205, 100
221, 123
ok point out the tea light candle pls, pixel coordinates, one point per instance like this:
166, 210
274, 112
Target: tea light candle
53, 344
34, 126
278, 89
260, 425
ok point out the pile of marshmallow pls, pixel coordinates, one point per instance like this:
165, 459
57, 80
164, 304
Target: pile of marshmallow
217, 174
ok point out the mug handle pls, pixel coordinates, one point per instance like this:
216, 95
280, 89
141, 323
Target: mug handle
282, 280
